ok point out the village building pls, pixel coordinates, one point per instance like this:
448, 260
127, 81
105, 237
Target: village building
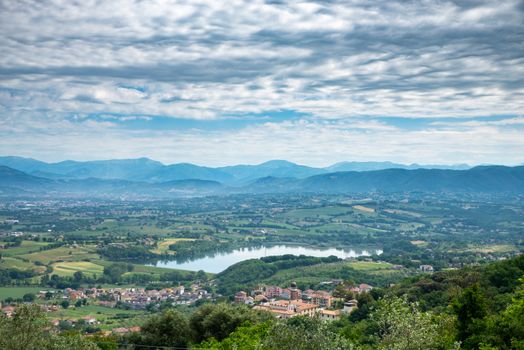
330, 315
289, 308
426, 268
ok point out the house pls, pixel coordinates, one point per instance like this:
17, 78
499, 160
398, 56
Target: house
289, 308
350, 306
240, 297
285, 294
330, 315
320, 298
261, 298
8, 311
365, 288
89, 320
120, 330
426, 268
272, 292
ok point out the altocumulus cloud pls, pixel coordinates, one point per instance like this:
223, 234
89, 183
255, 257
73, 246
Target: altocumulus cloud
342, 66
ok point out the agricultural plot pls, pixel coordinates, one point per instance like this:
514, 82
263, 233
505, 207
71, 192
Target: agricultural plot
62, 254
25, 247
14, 263
69, 268
109, 318
364, 209
369, 265
17, 292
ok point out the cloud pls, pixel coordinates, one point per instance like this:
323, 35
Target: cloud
347, 62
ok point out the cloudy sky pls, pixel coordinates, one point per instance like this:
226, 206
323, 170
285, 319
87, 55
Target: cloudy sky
224, 82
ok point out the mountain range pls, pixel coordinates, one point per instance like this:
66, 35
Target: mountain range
147, 170
146, 178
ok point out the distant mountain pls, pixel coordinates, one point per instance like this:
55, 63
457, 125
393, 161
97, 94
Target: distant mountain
273, 168
16, 183
10, 177
147, 170
482, 179
123, 169
185, 171
368, 166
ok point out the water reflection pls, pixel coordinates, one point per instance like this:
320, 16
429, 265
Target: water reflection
219, 261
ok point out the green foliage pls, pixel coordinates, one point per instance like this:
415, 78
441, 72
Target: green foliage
170, 329
245, 337
29, 297
470, 309
219, 320
513, 320
253, 271
402, 326
127, 253
301, 333
115, 271
28, 330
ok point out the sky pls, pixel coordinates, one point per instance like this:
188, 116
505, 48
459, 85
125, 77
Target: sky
228, 82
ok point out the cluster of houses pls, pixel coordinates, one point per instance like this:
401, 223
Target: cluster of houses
134, 298
291, 302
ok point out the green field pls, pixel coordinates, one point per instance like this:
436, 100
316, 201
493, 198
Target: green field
369, 265
18, 292
14, 263
63, 253
68, 268
108, 317
25, 247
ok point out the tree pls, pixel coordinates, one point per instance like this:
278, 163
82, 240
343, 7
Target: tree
245, 337
170, 329
78, 276
29, 297
402, 326
64, 304
219, 320
301, 333
28, 329
470, 308
115, 271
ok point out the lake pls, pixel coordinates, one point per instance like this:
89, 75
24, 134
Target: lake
218, 262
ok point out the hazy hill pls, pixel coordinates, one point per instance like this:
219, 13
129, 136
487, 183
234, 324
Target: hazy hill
17, 183
184, 171
147, 170
478, 179
483, 179
273, 168
368, 166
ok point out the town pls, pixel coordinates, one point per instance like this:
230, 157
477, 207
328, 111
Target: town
290, 302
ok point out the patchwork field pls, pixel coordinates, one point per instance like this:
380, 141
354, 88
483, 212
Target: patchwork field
25, 247
14, 263
63, 254
69, 268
